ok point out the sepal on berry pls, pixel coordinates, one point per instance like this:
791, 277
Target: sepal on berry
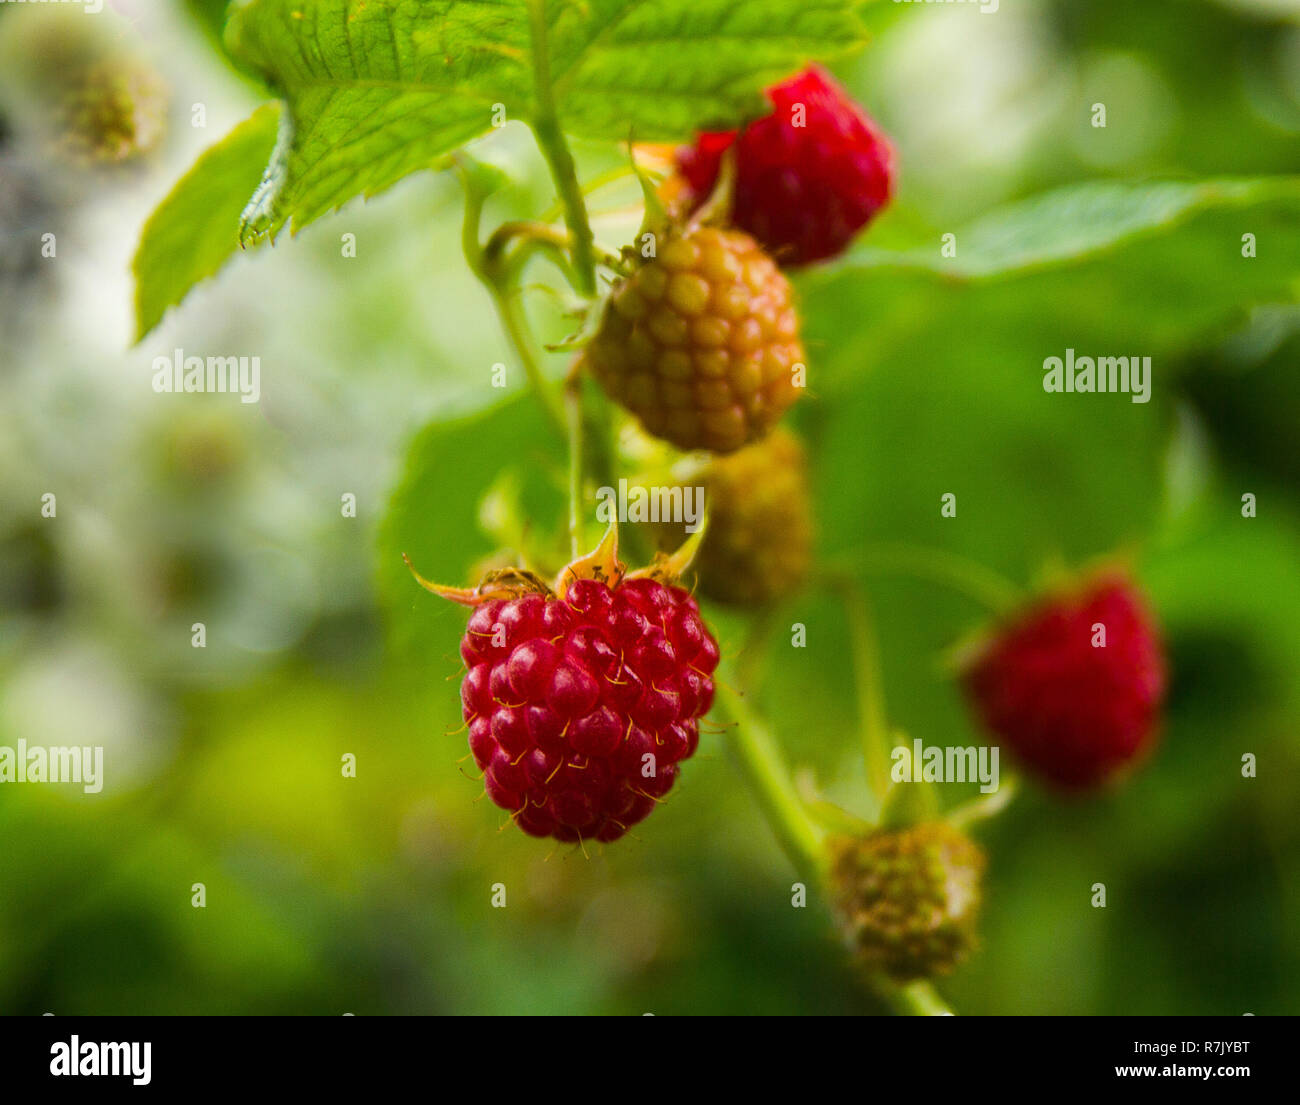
601, 565
909, 803
500, 585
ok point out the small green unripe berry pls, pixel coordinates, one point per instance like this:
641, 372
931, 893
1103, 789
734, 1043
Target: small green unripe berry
908, 899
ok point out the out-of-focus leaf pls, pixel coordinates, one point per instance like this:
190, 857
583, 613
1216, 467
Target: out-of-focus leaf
434, 517
194, 231
1075, 223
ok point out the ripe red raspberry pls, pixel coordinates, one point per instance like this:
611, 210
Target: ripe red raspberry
702, 342
802, 190
582, 705
1074, 710
908, 898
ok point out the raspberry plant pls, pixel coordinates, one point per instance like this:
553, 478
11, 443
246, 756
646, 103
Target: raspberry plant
692, 329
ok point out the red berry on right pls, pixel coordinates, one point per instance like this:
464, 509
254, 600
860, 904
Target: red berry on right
809, 176
1074, 684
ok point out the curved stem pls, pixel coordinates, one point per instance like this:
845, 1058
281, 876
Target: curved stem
982, 585
550, 139
529, 236
755, 751
523, 230
505, 299
512, 245
756, 754
513, 321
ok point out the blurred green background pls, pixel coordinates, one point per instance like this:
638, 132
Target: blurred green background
371, 895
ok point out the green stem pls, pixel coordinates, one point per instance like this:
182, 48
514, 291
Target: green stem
980, 584
756, 753
492, 271
512, 245
513, 321
550, 139
918, 999
573, 417
870, 688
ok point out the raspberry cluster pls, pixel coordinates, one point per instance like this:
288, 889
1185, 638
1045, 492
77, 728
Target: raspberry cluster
581, 708
702, 342
1074, 684
908, 898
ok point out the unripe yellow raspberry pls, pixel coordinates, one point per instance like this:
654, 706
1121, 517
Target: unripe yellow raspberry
758, 546
701, 342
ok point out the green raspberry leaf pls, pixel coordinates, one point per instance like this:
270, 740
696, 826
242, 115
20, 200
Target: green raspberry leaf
378, 89
659, 69
445, 543
1074, 223
194, 231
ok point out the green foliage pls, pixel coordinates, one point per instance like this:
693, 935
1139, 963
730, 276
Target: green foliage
1083, 220
1068, 475
195, 229
439, 522
381, 89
